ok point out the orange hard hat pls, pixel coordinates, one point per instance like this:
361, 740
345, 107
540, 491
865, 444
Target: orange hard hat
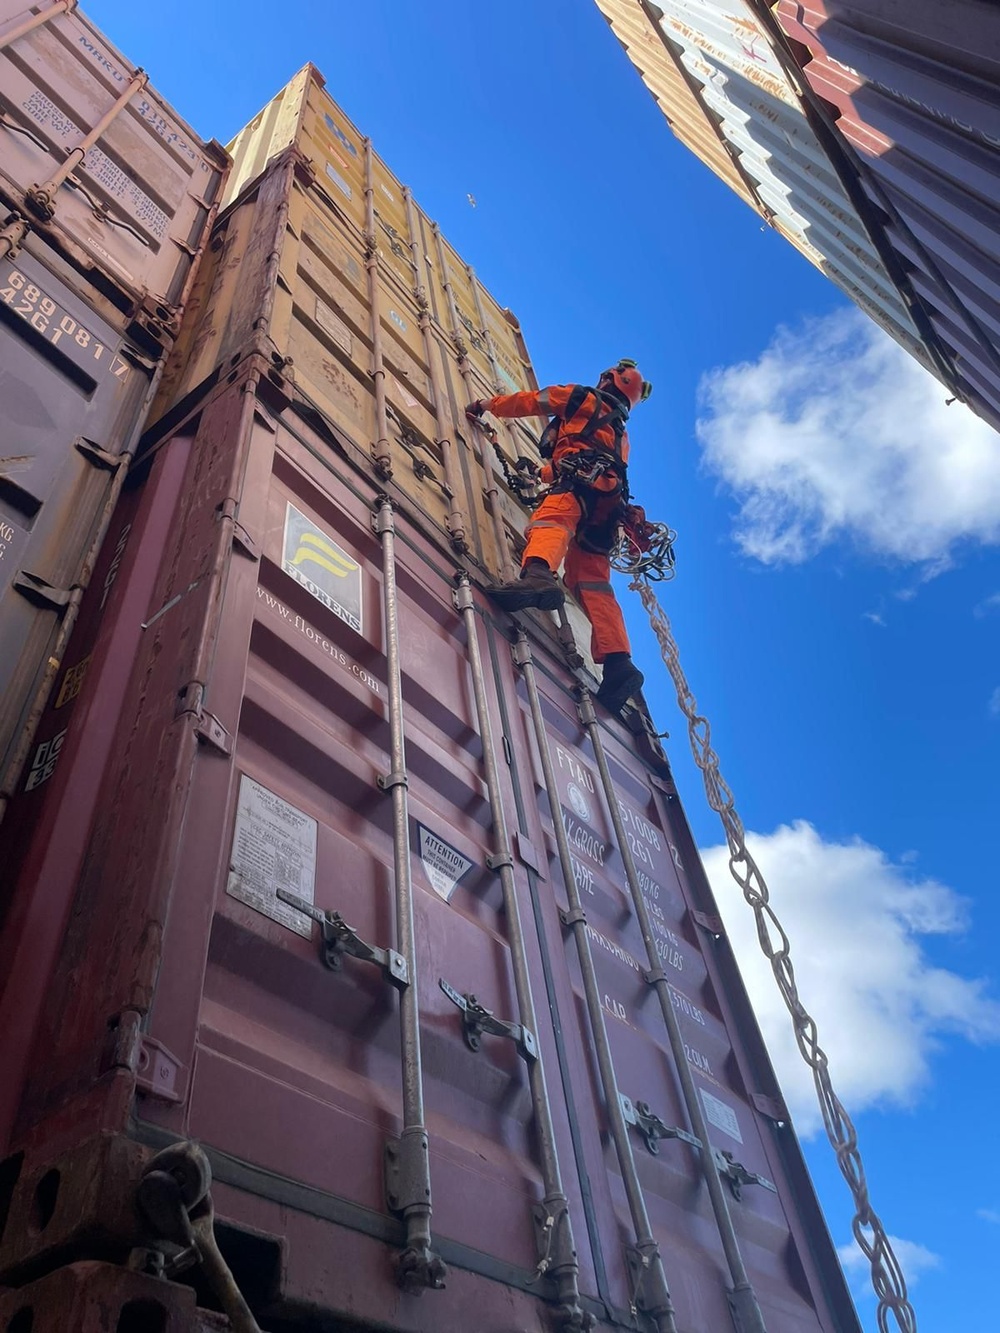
625, 377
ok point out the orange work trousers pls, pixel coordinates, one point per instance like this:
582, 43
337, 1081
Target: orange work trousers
552, 538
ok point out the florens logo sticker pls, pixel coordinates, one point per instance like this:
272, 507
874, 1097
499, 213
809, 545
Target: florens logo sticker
311, 557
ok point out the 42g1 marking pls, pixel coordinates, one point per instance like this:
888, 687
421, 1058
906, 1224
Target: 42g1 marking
55, 323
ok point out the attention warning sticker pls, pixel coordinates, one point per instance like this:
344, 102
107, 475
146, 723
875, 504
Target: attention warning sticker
443, 864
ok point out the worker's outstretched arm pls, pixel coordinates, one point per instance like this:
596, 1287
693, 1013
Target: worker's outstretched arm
550, 402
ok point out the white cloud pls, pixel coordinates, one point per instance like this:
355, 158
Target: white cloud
857, 925
993, 707
875, 617
914, 1259
836, 433
989, 1215
988, 606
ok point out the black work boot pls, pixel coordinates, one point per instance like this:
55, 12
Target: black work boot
537, 586
622, 679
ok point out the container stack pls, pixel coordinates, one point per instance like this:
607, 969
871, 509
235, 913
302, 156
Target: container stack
107, 198
341, 900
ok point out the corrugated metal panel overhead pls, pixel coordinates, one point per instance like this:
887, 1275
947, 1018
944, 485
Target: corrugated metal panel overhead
714, 59
913, 90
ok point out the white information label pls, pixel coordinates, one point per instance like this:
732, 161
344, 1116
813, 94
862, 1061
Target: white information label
722, 1115
274, 847
443, 864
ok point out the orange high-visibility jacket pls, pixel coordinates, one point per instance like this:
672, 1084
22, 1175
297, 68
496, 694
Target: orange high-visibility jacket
575, 405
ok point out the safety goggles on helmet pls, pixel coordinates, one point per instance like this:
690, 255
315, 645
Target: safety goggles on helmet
625, 377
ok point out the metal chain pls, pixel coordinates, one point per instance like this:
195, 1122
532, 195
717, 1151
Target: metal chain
886, 1275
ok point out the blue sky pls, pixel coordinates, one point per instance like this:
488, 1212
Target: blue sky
839, 624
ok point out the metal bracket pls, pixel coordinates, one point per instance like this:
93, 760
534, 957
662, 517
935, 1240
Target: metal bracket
707, 921
641, 1117
386, 781
210, 731
37, 589
476, 1019
497, 860
407, 1171
572, 916
772, 1107
337, 938
737, 1175
158, 1070
93, 453
241, 538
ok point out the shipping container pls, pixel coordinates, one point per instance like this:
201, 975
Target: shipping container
359, 894
322, 260
75, 393
716, 56
94, 164
913, 89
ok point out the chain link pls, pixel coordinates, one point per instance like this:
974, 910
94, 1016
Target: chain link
887, 1277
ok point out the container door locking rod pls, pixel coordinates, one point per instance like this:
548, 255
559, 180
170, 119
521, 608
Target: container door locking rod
651, 1294
465, 370
557, 1251
748, 1312
445, 430
407, 1165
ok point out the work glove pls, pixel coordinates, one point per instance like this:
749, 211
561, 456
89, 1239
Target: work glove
638, 527
475, 409
527, 466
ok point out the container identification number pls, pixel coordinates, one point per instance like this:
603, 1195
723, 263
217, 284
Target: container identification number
45, 315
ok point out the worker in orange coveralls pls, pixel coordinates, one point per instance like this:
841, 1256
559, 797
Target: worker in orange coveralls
587, 447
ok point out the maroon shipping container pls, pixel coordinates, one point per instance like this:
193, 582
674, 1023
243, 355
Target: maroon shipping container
497, 913
913, 85
75, 393
97, 167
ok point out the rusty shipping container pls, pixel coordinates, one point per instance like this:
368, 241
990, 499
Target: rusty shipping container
322, 260
92, 287
95, 165
75, 393
355, 894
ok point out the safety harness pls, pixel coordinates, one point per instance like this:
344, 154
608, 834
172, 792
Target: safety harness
586, 464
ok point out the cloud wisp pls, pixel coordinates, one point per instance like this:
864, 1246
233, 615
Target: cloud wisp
859, 925
835, 434
914, 1259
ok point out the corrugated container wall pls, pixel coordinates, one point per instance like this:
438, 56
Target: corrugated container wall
323, 260
254, 753
915, 90
338, 874
732, 89
108, 198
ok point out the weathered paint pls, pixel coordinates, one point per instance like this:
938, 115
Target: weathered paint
145, 190
716, 55
75, 393
913, 88
289, 1073
285, 274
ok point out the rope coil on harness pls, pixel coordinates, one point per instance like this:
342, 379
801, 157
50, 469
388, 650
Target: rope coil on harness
887, 1277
